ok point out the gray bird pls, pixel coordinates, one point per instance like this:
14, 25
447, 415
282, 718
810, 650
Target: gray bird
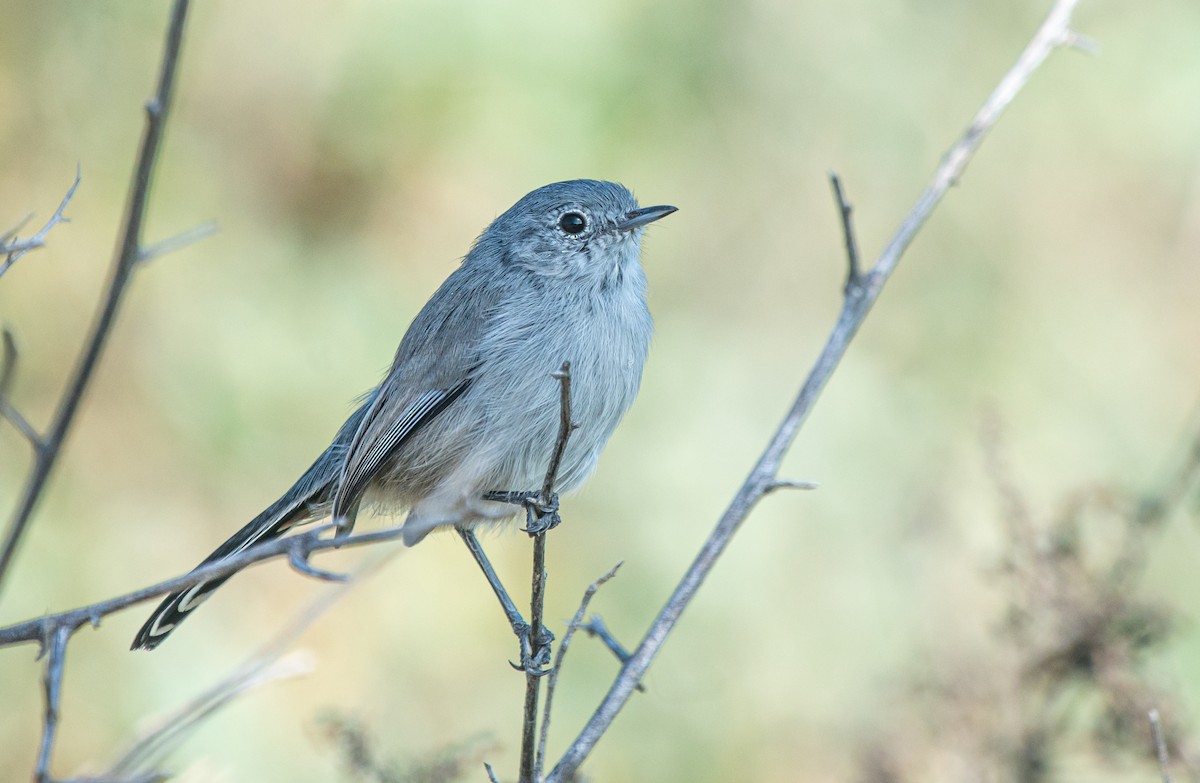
470, 405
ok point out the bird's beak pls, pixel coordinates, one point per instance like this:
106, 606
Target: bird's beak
640, 217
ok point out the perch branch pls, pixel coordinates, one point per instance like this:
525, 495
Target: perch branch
1054, 32
43, 628
538, 528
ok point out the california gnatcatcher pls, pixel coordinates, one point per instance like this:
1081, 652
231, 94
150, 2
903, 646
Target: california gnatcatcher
470, 405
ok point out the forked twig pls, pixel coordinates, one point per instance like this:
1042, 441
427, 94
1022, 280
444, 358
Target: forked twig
13, 248
552, 680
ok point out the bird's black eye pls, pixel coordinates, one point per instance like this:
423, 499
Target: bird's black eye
572, 223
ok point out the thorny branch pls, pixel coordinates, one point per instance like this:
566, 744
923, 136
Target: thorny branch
861, 292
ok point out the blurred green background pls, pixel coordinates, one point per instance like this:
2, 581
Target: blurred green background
350, 153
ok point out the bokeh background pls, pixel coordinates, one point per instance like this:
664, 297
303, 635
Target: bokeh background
350, 152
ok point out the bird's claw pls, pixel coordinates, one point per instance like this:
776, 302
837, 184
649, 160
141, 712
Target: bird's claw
535, 652
539, 516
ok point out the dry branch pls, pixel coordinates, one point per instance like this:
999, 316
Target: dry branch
13, 248
862, 290
129, 254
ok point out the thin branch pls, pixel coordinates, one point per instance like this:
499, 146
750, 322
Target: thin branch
177, 242
43, 628
1054, 32
565, 428
1160, 745
52, 690
846, 214
596, 629
8, 371
552, 680
8, 365
529, 773
128, 253
778, 484
14, 248
12, 232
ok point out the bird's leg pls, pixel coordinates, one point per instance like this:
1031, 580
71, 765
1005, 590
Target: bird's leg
535, 653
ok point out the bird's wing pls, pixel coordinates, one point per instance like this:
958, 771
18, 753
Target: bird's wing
433, 367
378, 437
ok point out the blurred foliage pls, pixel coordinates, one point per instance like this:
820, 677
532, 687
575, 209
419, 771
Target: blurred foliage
350, 152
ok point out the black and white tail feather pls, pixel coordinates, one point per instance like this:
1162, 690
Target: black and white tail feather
337, 479
313, 490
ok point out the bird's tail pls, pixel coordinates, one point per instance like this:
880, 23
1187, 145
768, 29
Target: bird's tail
174, 609
308, 499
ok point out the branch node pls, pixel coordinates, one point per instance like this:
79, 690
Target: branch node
778, 483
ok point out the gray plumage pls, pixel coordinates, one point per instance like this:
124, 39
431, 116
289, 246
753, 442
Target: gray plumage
470, 404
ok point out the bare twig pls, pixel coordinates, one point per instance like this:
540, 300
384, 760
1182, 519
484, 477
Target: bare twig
12, 232
534, 672
40, 630
1054, 32
552, 680
177, 242
537, 601
8, 371
596, 629
846, 215
128, 253
8, 365
1160, 745
565, 428
52, 689
13, 248
778, 484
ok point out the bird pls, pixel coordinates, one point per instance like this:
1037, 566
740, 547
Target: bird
470, 406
